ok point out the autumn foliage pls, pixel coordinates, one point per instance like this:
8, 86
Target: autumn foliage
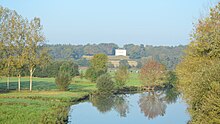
152, 73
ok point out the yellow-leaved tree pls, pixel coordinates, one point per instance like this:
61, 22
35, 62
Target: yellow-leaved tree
199, 71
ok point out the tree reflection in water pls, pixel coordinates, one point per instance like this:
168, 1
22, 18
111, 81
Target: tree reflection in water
121, 105
171, 95
153, 104
107, 102
103, 102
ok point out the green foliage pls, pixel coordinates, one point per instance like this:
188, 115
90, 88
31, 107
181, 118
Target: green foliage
70, 67
99, 62
105, 83
23, 46
169, 56
63, 80
81, 74
171, 78
121, 77
98, 66
52, 69
83, 62
199, 72
67, 70
124, 63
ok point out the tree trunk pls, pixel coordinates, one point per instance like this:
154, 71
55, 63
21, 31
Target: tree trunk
8, 80
31, 73
19, 82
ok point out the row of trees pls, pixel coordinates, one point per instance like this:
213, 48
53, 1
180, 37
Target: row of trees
152, 74
199, 71
21, 44
168, 55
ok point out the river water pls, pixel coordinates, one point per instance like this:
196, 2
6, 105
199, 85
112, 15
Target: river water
161, 107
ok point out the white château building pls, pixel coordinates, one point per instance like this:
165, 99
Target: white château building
120, 52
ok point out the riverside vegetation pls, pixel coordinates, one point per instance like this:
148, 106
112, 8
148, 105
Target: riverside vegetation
40, 100
45, 104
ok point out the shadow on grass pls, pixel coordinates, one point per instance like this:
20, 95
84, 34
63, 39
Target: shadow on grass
44, 86
25, 85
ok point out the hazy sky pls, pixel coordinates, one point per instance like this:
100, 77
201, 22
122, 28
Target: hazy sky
152, 22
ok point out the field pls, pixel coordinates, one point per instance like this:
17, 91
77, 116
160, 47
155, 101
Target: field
45, 104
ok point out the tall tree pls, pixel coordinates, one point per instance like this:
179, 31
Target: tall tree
199, 71
121, 76
8, 30
19, 44
152, 73
35, 53
98, 66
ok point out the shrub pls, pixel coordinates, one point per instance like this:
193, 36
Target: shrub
63, 80
105, 83
98, 66
153, 73
121, 77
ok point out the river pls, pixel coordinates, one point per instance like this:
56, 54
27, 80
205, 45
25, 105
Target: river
161, 107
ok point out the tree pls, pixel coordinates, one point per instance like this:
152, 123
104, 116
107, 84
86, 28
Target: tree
19, 44
152, 73
35, 53
124, 63
105, 83
199, 71
70, 67
10, 21
63, 78
98, 66
121, 77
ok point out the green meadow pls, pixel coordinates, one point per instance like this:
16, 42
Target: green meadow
45, 104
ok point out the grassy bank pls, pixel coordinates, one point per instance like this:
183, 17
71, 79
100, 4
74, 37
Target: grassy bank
45, 104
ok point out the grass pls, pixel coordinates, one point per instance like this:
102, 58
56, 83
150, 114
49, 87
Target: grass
36, 106
45, 104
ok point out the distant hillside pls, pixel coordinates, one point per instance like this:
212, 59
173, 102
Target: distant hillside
168, 55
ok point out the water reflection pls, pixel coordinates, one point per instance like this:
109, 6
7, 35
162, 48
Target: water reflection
103, 103
152, 104
171, 95
121, 105
107, 102
149, 107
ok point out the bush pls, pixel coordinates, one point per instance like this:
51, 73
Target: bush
121, 77
92, 74
63, 80
105, 83
98, 66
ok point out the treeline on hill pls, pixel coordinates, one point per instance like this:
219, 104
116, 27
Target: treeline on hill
168, 55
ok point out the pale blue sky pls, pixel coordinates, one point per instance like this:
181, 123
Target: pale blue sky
152, 22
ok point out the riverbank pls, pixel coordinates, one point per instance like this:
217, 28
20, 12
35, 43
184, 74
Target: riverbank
45, 104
